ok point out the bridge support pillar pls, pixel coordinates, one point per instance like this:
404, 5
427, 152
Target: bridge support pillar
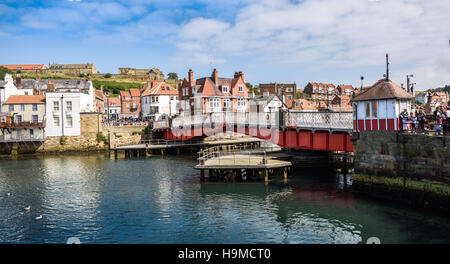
285, 175
162, 153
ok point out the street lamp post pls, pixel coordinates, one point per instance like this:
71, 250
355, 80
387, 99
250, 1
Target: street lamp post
362, 78
407, 81
107, 106
62, 114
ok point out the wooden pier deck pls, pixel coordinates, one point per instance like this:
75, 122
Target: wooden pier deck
240, 161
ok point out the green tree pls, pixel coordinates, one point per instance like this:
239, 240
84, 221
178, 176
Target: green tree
3, 72
107, 75
172, 75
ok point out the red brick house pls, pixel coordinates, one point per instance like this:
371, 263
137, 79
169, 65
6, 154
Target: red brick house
320, 91
213, 94
345, 90
130, 102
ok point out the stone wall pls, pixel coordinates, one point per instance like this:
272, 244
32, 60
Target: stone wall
393, 154
124, 135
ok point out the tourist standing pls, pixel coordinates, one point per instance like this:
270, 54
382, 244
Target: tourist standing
421, 120
413, 121
438, 121
404, 119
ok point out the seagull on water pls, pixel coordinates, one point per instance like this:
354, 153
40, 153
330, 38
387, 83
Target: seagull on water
39, 217
27, 208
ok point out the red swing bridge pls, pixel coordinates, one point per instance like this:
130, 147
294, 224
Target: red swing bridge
325, 131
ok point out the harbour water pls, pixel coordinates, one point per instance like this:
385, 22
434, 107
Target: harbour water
161, 200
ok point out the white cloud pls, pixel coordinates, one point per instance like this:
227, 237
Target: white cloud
327, 34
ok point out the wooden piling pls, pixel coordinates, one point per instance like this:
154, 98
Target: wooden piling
202, 175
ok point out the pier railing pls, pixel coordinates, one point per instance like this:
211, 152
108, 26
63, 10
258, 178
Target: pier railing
228, 156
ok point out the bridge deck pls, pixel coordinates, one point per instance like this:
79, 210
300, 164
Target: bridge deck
182, 144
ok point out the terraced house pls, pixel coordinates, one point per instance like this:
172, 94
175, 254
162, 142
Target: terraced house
213, 94
23, 118
321, 91
130, 102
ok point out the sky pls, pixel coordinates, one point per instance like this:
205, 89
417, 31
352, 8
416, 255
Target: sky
299, 41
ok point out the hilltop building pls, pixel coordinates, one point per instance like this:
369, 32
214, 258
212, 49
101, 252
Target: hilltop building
71, 69
153, 73
25, 68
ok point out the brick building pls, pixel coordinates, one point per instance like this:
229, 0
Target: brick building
320, 91
130, 102
286, 91
213, 94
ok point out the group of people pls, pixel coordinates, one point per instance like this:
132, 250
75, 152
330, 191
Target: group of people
417, 121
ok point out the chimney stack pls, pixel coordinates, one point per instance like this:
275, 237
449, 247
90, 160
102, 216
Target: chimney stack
51, 86
241, 74
38, 76
18, 81
191, 77
214, 76
89, 77
101, 88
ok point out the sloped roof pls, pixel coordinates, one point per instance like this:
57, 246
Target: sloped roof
160, 88
113, 101
382, 89
24, 66
124, 94
322, 84
59, 84
26, 99
99, 94
135, 92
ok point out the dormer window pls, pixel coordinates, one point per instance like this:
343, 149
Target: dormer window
225, 89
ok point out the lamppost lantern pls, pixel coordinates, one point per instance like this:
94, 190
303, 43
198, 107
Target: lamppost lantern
362, 78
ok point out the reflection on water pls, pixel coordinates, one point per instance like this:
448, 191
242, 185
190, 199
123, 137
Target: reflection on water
154, 200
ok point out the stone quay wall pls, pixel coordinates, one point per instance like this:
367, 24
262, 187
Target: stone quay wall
393, 154
93, 137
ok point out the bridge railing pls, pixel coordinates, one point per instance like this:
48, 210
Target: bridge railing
319, 120
229, 118
311, 120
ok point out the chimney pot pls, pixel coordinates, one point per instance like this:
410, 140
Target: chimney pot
214, 76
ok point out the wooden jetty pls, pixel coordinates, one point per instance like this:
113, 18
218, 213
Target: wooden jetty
239, 165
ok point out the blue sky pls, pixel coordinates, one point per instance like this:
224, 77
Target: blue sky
269, 40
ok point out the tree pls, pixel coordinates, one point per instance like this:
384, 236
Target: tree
107, 75
172, 75
3, 72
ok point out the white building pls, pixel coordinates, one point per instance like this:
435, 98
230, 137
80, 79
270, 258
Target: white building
267, 104
158, 100
112, 108
8, 87
64, 105
378, 107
